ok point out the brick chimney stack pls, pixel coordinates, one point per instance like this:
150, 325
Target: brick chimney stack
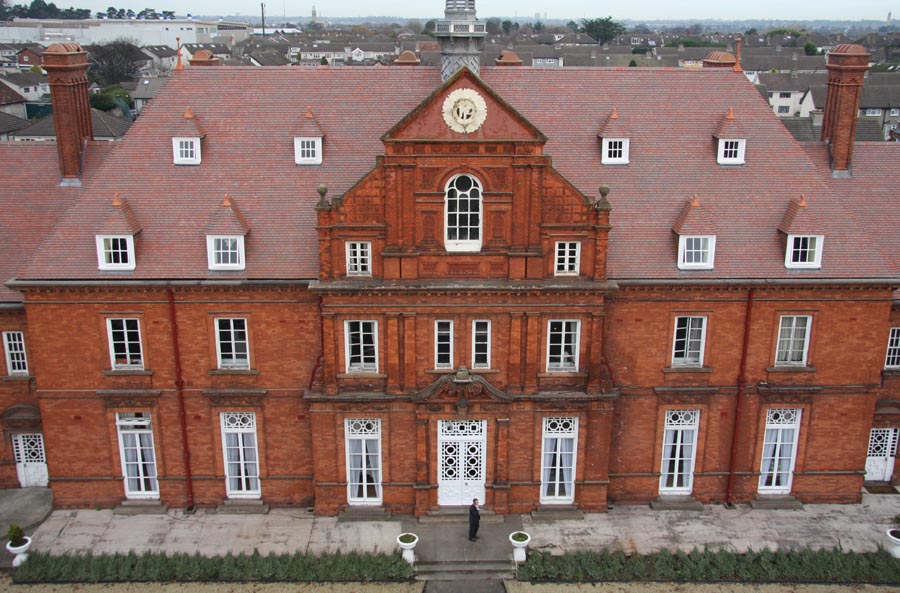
847, 66
67, 65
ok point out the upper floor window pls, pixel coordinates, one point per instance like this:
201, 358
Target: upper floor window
361, 353
892, 359
895, 112
14, 346
731, 151
784, 109
689, 343
225, 252
463, 214
481, 344
784, 95
125, 344
308, 151
563, 338
804, 251
232, 345
615, 151
696, 252
186, 150
873, 112
443, 344
115, 252
359, 258
793, 340
568, 255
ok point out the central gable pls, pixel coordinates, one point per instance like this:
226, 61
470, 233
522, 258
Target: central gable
464, 109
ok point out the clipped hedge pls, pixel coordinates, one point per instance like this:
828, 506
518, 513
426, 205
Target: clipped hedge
88, 568
804, 565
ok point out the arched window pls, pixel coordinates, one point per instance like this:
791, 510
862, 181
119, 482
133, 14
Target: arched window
462, 222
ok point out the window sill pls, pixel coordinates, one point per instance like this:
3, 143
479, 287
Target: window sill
361, 375
126, 373
234, 372
15, 378
562, 373
475, 371
687, 369
893, 372
791, 369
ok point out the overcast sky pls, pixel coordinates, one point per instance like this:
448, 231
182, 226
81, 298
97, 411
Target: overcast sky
799, 10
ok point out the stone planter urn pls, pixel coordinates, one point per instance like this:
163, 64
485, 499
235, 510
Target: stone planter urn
407, 543
20, 552
519, 541
894, 542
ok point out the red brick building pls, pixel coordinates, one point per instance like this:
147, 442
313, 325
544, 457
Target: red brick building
558, 288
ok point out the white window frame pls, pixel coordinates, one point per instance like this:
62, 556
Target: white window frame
443, 335
784, 109
679, 451
235, 360
567, 260
359, 258
106, 248
16, 358
481, 336
214, 252
607, 147
873, 112
786, 350
563, 363
892, 356
894, 112
693, 346
132, 358
308, 150
467, 244
177, 154
725, 146
785, 95
367, 363
556, 486
241, 474
139, 476
814, 245
782, 431
363, 478
708, 247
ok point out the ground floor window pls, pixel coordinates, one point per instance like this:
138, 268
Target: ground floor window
241, 455
363, 445
137, 454
558, 459
679, 452
779, 450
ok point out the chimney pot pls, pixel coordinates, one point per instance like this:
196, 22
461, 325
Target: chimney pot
67, 65
846, 64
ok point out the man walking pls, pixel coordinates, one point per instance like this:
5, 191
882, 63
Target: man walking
474, 520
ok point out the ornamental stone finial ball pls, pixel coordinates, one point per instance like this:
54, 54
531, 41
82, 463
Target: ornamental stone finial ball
322, 189
604, 190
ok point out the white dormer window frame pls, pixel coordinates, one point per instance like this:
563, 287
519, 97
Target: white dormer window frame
115, 252
225, 252
308, 150
873, 112
731, 151
804, 251
186, 150
696, 252
615, 151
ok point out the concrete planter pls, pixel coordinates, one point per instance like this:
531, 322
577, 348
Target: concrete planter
408, 547
519, 544
894, 542
20, 552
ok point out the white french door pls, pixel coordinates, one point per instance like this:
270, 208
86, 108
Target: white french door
461, 446
779, 454
560, 440
679, 452
241, 455
138, 455
31, 460
881, 454
363, 445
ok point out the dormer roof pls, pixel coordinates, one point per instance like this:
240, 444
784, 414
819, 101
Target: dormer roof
800, 219
188, 125
729, 126
613, 126
309, 127
227, 219
694, 219
120, 218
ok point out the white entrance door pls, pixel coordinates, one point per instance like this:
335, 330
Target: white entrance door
31, 462
461, 461
882, 450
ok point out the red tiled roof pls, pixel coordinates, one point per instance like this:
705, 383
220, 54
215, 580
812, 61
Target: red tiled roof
309, 127
613, 126
729, 126
227, 219
120, 219
694, 219
800, 219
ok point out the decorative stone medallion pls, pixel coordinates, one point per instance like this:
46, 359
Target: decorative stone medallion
464, 110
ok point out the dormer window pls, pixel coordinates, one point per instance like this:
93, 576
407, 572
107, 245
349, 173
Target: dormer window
804, 251
308, 150
115, 252
615, 151
186, 150
731, 151
225, 252
696, 252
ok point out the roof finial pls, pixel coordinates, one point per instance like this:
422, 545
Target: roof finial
802, 203
309, 114
178, 66
695, 201
188, 114
614, 114
730, 114
226, 201
737, 63
116, 201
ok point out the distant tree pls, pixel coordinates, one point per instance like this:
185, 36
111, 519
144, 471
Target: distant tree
324, 61
751, 31
572, 26
493, 26
4, 11
106, 100
810, 49
537, 27
632, 64
116, 61
603, 30
414, 25
695, 29
507, 27
639, 50
430, 25
642, 29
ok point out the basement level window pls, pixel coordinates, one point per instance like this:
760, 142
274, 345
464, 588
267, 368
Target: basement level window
186, 151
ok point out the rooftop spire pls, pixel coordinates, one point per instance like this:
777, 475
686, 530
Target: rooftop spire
461, 37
